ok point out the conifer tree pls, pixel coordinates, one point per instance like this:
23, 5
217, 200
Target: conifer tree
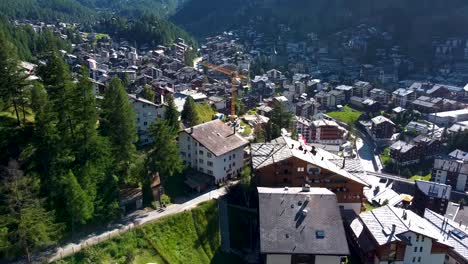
12, 80
164, 157
189, 113
119, 124
172, 115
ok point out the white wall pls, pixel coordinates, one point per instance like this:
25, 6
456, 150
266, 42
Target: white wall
146, 114
278, 259
222, 167
426, 256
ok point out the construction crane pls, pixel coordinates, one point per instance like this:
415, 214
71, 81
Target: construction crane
234, 77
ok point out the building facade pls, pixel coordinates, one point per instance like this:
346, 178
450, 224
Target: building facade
286, 162
452, 170
213, 148
394, 235
147, 113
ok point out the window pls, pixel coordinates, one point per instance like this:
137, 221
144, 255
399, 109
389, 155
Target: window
300, 169
233, 164
420, 249
414, 259
145, 123
419, 259
233, 156
417, 238
200, 161
209, 163
422, 238
200, 152
229, 157
200, 169
189, 155
209, 155
415, 249
210, 172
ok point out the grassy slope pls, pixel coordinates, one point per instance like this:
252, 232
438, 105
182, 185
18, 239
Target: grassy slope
188, 237
348, 115
205, 112
424, 178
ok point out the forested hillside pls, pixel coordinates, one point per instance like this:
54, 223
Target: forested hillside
408, 19
135, 8
46, 10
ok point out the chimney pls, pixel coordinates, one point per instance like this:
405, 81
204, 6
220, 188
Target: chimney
313, 151
190, 130
344, 163
292, 146
404, 215
393, 228
306, 188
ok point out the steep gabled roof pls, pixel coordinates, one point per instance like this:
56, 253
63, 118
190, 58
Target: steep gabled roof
387, 224
283, 148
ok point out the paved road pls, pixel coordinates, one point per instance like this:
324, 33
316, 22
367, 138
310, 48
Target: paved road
391, 177
129, 222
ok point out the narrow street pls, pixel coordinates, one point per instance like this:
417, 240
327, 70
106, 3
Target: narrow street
129, 222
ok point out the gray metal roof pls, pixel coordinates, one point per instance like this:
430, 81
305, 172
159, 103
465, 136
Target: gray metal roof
286, 229
380, 223
460, 246
283, 148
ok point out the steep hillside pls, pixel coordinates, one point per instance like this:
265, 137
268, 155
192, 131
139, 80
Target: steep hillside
188, 237
404, 17
135, 8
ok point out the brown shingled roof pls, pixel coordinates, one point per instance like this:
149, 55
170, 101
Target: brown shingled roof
217, 137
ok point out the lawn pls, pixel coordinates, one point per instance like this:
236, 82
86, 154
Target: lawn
205, 112
188, 237
423, 178
369, 206
247, 131
11, 114
347, 115
385, 156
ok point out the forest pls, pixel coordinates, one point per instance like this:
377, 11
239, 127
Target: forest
64, 155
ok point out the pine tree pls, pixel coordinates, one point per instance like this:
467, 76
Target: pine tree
164, 157
29, 226
45, 133
78, 204
280, 118
58, 83
148, 93
12, 80
172, 115
119, 124
189, 113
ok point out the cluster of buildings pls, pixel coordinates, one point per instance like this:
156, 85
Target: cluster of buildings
310, 197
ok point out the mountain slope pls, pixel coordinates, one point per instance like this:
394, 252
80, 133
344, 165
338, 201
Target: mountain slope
203, 17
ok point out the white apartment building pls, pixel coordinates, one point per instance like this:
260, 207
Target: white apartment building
146, 113
452, 170
213, 148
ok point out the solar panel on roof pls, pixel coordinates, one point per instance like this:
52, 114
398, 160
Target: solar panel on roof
458, 233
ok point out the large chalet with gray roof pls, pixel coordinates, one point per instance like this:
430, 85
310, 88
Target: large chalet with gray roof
286, 162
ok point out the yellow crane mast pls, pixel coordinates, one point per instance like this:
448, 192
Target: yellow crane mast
234, 77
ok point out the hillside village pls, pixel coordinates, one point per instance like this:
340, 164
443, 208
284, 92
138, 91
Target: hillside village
328, 160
